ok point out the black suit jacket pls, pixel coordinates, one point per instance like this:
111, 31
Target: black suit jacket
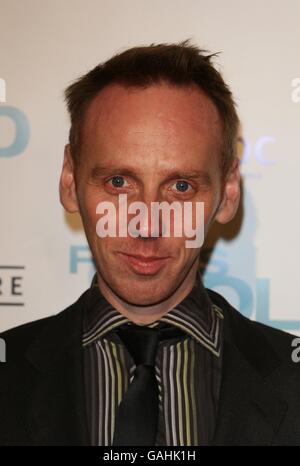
42, 396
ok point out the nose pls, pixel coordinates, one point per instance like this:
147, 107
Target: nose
150, 225
144, 222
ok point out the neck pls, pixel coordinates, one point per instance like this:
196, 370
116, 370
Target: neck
144, 315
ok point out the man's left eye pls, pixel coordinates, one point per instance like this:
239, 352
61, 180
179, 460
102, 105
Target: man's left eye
182, 186
118, 182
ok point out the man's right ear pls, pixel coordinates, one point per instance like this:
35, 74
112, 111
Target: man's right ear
67, 188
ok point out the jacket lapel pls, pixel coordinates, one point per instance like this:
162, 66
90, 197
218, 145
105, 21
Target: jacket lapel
58, 410
250, 411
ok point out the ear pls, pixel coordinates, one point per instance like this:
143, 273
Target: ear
67, 187
231, 194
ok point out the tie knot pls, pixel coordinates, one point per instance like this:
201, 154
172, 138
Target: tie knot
141, 343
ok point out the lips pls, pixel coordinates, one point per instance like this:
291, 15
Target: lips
146, 258
145, 265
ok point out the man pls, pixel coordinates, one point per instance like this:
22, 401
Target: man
147, 356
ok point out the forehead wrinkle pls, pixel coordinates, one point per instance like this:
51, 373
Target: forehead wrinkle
134, 118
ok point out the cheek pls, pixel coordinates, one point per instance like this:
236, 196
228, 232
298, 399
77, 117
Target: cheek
211, 205
87, 208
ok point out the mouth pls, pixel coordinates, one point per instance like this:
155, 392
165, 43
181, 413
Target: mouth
144, 265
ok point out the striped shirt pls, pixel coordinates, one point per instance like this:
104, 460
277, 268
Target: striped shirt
188, 369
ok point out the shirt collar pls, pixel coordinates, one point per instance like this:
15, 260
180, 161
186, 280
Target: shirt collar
195, 314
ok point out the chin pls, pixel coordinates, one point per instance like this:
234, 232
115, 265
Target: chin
144, 294
144, 301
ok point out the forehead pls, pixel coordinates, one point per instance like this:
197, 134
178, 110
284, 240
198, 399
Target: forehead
159, 114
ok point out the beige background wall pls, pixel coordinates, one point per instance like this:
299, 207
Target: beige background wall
45, 44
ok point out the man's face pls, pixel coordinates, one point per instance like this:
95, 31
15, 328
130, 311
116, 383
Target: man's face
158, 144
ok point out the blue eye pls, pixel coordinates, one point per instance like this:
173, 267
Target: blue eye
182, 186
117, 181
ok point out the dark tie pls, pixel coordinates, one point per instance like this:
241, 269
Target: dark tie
137, 415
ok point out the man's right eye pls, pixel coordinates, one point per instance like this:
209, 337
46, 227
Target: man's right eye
117, 181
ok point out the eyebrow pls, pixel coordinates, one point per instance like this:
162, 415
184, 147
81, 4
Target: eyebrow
99, 171
102, 170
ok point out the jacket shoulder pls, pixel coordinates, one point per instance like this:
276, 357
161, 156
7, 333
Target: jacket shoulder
252, 336
19, 338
